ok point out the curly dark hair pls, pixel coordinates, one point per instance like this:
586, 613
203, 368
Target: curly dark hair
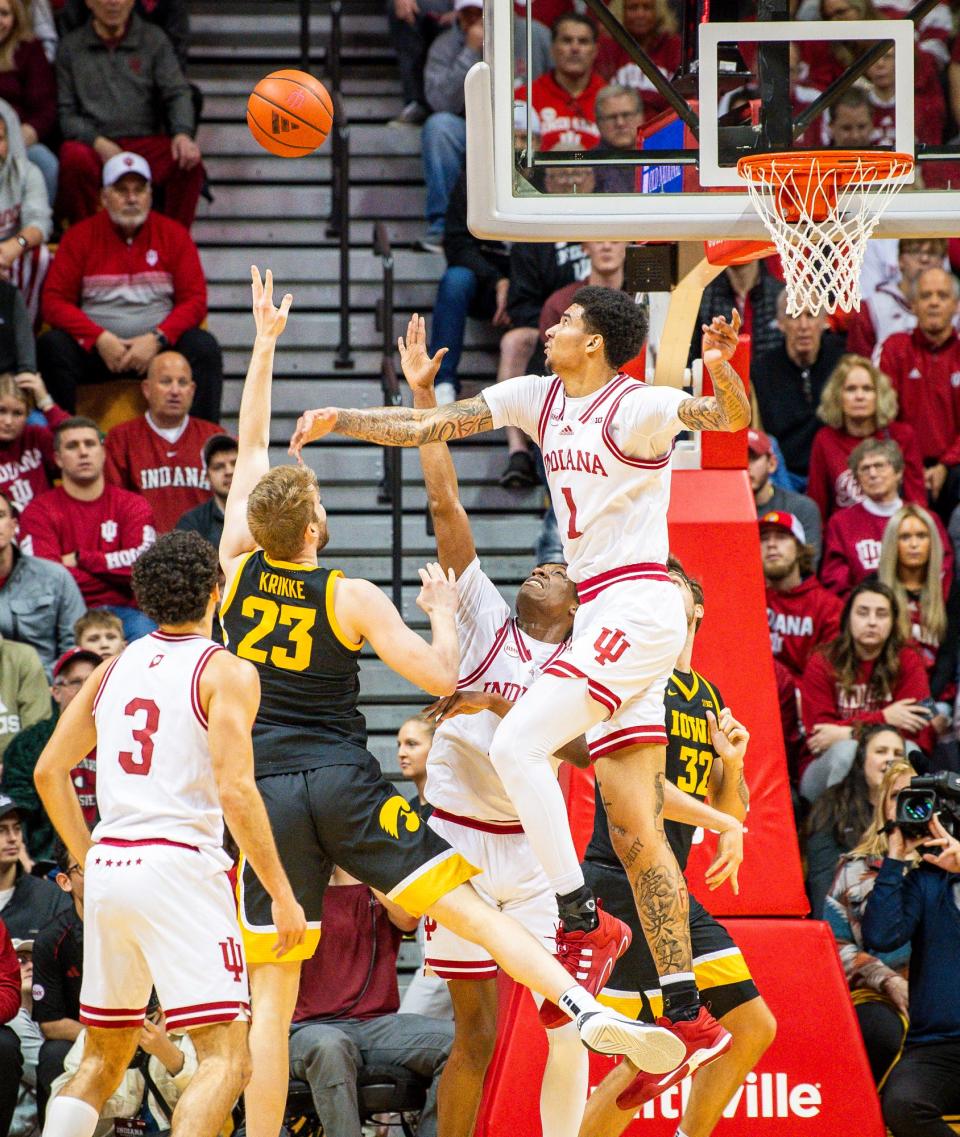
173, 579
610, 313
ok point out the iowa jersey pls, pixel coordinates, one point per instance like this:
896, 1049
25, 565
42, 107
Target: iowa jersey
690, 758
280, 616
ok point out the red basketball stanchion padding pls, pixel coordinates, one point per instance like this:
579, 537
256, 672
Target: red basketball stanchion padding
814, 1080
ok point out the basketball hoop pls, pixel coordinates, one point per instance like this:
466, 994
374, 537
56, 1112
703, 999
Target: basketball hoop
821, 207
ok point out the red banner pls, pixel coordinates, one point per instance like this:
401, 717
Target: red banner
813, 1081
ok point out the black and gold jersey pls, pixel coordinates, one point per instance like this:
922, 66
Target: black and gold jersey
280, 616
690, 758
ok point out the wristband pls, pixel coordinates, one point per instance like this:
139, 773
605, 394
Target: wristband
22, 241
162, 342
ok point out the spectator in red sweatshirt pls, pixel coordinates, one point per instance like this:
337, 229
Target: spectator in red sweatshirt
11, 1062
858, 402
802, 614
912, 565
160, 455
851, 547
95, 529
125, 285
27, 467
924, 367
867, 674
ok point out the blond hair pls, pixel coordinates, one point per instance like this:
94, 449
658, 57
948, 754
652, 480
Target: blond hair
283, 503
830, 409
933, 611
22, 30
10, 390
97, 618
875, 842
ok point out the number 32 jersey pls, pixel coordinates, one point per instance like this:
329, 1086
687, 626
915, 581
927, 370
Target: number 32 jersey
607, 457
280, 616
154, 774
690, 758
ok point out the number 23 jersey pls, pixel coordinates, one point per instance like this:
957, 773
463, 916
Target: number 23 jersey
280, 616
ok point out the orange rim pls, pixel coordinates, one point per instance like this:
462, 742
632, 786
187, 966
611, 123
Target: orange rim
810, 180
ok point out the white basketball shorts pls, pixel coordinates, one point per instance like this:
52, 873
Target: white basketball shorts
160, 914
510, 879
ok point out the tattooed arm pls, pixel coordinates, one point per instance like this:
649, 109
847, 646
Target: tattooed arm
395, 426
729, 407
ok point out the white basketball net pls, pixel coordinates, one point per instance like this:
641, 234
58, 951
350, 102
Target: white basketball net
822, 258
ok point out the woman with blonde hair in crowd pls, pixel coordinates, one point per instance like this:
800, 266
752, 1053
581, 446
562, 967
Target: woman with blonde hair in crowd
858, 402
653, 25
878, 983
27, 465
28, 84
912, 565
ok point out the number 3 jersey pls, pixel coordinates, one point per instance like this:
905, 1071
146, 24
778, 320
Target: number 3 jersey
607, 457
280, 616
154, 774
690, 758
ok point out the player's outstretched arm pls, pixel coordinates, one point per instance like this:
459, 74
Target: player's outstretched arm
455, 547
253, 457
230, 695
73, 738
729, 407
363, 612
688, 810
395, 426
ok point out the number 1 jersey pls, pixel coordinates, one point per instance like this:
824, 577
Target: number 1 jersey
154, 774
280, 616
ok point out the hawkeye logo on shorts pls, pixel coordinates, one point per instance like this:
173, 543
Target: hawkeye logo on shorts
390, 813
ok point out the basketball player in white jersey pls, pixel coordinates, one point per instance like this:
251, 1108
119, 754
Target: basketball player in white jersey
170, 718
606, 440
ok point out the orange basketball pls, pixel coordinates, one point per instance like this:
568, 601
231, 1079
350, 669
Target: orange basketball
290, 113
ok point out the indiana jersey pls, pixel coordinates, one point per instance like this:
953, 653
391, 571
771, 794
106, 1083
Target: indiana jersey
154, 774
690, 758
280, 616
496, 656
607, 457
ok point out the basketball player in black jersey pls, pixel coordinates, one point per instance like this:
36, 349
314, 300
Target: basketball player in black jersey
303, 626
705, 752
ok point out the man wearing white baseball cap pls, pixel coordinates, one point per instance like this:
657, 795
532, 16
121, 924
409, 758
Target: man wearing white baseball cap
156, 301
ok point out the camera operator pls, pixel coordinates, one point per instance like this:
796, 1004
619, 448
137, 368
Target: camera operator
922, 907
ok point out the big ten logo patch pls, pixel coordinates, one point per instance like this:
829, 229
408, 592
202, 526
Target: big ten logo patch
232, 958
610, 646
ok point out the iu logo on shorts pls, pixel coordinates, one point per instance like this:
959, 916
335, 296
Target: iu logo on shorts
429, 927
610, 645
232, 957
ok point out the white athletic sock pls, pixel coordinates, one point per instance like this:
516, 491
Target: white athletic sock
563, 1092
552, 712
70, 1117
575, 1000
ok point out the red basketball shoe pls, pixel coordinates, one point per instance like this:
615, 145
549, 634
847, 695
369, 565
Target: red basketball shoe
705, 1040
589, 957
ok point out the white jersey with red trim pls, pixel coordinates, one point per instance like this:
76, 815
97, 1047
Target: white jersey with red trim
154, 774
607, 457
495, 655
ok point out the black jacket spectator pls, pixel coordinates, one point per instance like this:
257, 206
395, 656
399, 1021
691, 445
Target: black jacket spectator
538, 269
11, 1063
489, 261
18, 350
720, 297
788, 395
35, 903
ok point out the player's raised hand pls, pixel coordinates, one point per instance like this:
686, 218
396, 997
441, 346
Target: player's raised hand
311, 425
726, 864
419, 369
291, 924
438, 590
729, 737
270, 321
720, 338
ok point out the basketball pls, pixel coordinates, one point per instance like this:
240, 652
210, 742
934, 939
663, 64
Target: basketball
290, 113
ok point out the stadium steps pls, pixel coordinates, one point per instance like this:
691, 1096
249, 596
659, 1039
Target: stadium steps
273, 212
